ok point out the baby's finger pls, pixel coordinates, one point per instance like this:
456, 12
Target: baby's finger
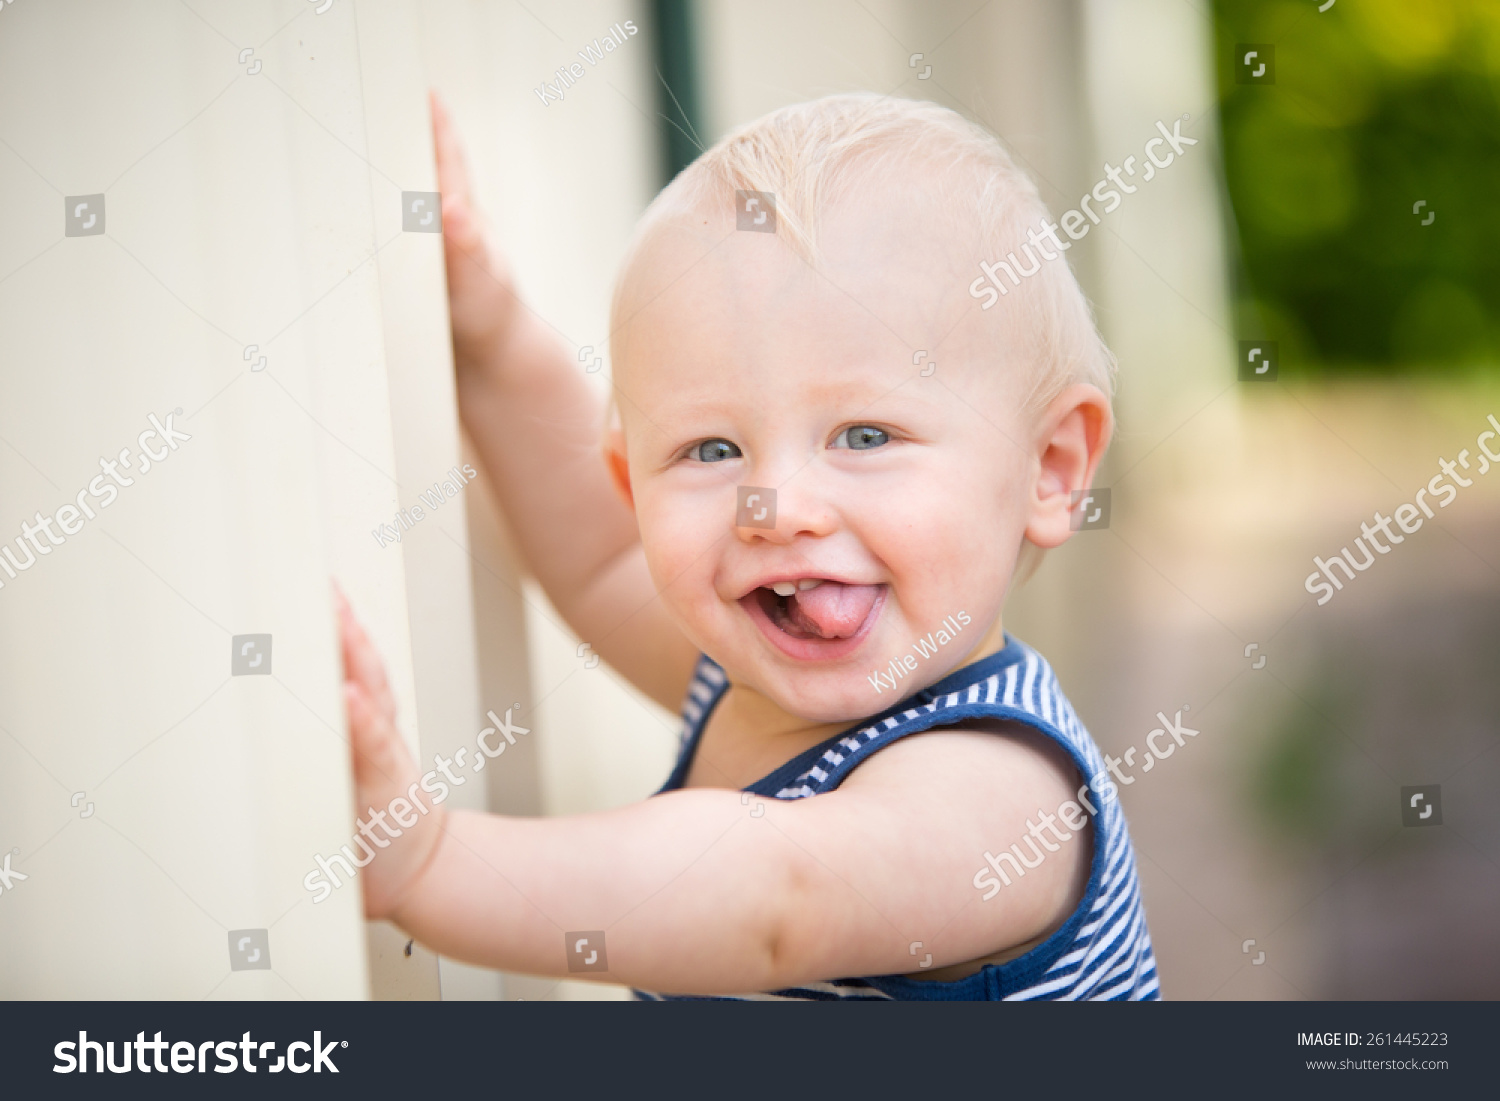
362, 664
453, 173
380, 757
461, 232
462, 229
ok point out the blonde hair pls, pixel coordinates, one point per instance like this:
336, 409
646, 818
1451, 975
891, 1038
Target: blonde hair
809, 154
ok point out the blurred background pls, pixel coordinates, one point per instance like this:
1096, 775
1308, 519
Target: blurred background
1333, 210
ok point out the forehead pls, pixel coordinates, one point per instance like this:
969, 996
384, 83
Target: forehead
891, 278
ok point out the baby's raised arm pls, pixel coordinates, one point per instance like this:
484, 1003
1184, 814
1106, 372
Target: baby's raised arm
709, 891
536, 422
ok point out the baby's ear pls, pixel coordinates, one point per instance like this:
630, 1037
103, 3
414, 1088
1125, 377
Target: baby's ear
1074, 432
619, 468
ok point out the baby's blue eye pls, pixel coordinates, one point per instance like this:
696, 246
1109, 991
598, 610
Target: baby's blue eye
714, 451
861, 437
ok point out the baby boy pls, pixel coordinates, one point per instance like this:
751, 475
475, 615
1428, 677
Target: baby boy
821, 448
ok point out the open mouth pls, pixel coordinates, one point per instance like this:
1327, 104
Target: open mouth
814, 617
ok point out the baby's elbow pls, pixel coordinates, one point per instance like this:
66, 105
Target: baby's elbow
795, 943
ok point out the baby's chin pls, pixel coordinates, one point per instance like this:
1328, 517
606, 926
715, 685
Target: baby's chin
825, 696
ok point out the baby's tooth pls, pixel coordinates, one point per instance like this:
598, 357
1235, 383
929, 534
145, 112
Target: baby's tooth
783, 588
809, 583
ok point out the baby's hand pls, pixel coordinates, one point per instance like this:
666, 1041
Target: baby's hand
383, 771
481, 299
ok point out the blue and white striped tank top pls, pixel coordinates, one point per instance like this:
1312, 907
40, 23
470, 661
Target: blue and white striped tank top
1102, 951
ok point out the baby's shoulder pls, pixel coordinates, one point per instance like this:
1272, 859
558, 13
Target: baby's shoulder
981, 758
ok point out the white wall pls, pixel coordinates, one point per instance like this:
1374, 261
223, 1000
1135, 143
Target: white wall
241, 208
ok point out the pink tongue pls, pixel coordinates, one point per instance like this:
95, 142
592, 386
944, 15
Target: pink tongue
832, 610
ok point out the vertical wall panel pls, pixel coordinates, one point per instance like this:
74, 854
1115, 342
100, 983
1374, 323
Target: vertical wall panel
247, 202
562, 186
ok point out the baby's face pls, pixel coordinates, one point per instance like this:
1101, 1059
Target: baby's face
899, 499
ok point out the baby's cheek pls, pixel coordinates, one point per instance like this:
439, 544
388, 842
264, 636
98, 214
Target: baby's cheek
949, 541
928, 520
678, 546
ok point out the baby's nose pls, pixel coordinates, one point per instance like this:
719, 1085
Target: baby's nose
779, 514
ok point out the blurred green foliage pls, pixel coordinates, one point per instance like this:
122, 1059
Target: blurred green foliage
1294, 780
1377, 104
